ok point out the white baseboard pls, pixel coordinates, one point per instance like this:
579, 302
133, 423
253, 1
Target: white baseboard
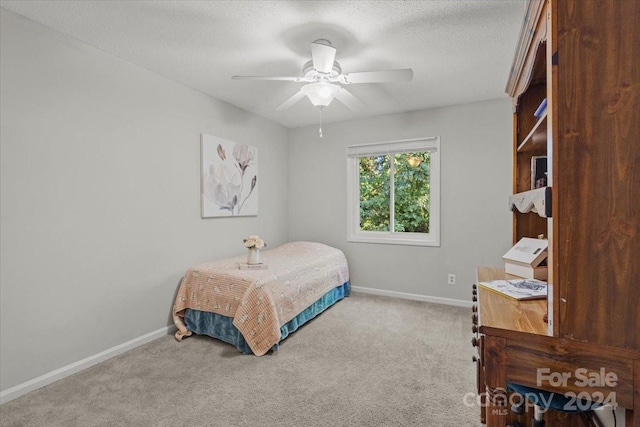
58, 374
415, 297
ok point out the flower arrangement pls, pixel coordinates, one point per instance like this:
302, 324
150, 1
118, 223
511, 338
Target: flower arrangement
254, 242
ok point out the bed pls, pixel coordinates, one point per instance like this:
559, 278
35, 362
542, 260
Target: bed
256, 309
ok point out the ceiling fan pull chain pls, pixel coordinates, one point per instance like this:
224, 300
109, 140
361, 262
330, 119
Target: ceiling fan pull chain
320, 127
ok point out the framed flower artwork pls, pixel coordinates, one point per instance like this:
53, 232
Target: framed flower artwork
229, 178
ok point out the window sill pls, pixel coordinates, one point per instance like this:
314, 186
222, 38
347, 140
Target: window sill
388, 239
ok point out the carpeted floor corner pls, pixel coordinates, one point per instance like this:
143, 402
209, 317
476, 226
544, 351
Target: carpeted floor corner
367, 361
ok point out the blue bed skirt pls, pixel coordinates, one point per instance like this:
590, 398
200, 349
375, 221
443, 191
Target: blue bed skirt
221, 327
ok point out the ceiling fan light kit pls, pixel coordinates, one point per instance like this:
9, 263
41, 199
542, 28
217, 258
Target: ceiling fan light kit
324, 78
320, 94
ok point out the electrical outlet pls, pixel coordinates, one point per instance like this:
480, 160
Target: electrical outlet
451, 279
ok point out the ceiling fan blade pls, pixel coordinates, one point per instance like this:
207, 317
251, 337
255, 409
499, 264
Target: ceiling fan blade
349, 100
323, 56
284, 78
404, 75
292, 100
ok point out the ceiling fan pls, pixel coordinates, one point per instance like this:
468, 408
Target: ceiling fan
323, 77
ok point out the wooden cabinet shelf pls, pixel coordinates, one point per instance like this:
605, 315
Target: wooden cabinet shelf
536, 140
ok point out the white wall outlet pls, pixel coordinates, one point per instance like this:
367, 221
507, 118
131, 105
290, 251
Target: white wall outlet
451, 279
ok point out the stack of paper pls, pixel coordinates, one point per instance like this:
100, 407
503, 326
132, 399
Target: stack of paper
520, 289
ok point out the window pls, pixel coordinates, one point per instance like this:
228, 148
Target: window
394, 192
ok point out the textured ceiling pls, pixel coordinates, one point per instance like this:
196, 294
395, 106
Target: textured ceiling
460, 51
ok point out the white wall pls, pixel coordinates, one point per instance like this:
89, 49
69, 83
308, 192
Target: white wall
100, 197
100, 204
476, 181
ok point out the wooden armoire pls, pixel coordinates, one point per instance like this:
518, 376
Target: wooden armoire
583, 57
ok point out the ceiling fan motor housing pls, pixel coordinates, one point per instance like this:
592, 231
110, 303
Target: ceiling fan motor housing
312, 75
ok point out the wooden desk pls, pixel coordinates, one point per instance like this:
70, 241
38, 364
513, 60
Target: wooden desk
497, 311
514, 346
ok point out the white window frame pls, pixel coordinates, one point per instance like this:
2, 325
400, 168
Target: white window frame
354, 233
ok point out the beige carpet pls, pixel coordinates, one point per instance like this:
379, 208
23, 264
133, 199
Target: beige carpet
367, 361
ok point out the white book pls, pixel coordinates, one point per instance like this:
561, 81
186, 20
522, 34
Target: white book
528, 251
526, 271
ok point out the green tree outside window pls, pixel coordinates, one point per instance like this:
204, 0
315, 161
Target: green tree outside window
401, 187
